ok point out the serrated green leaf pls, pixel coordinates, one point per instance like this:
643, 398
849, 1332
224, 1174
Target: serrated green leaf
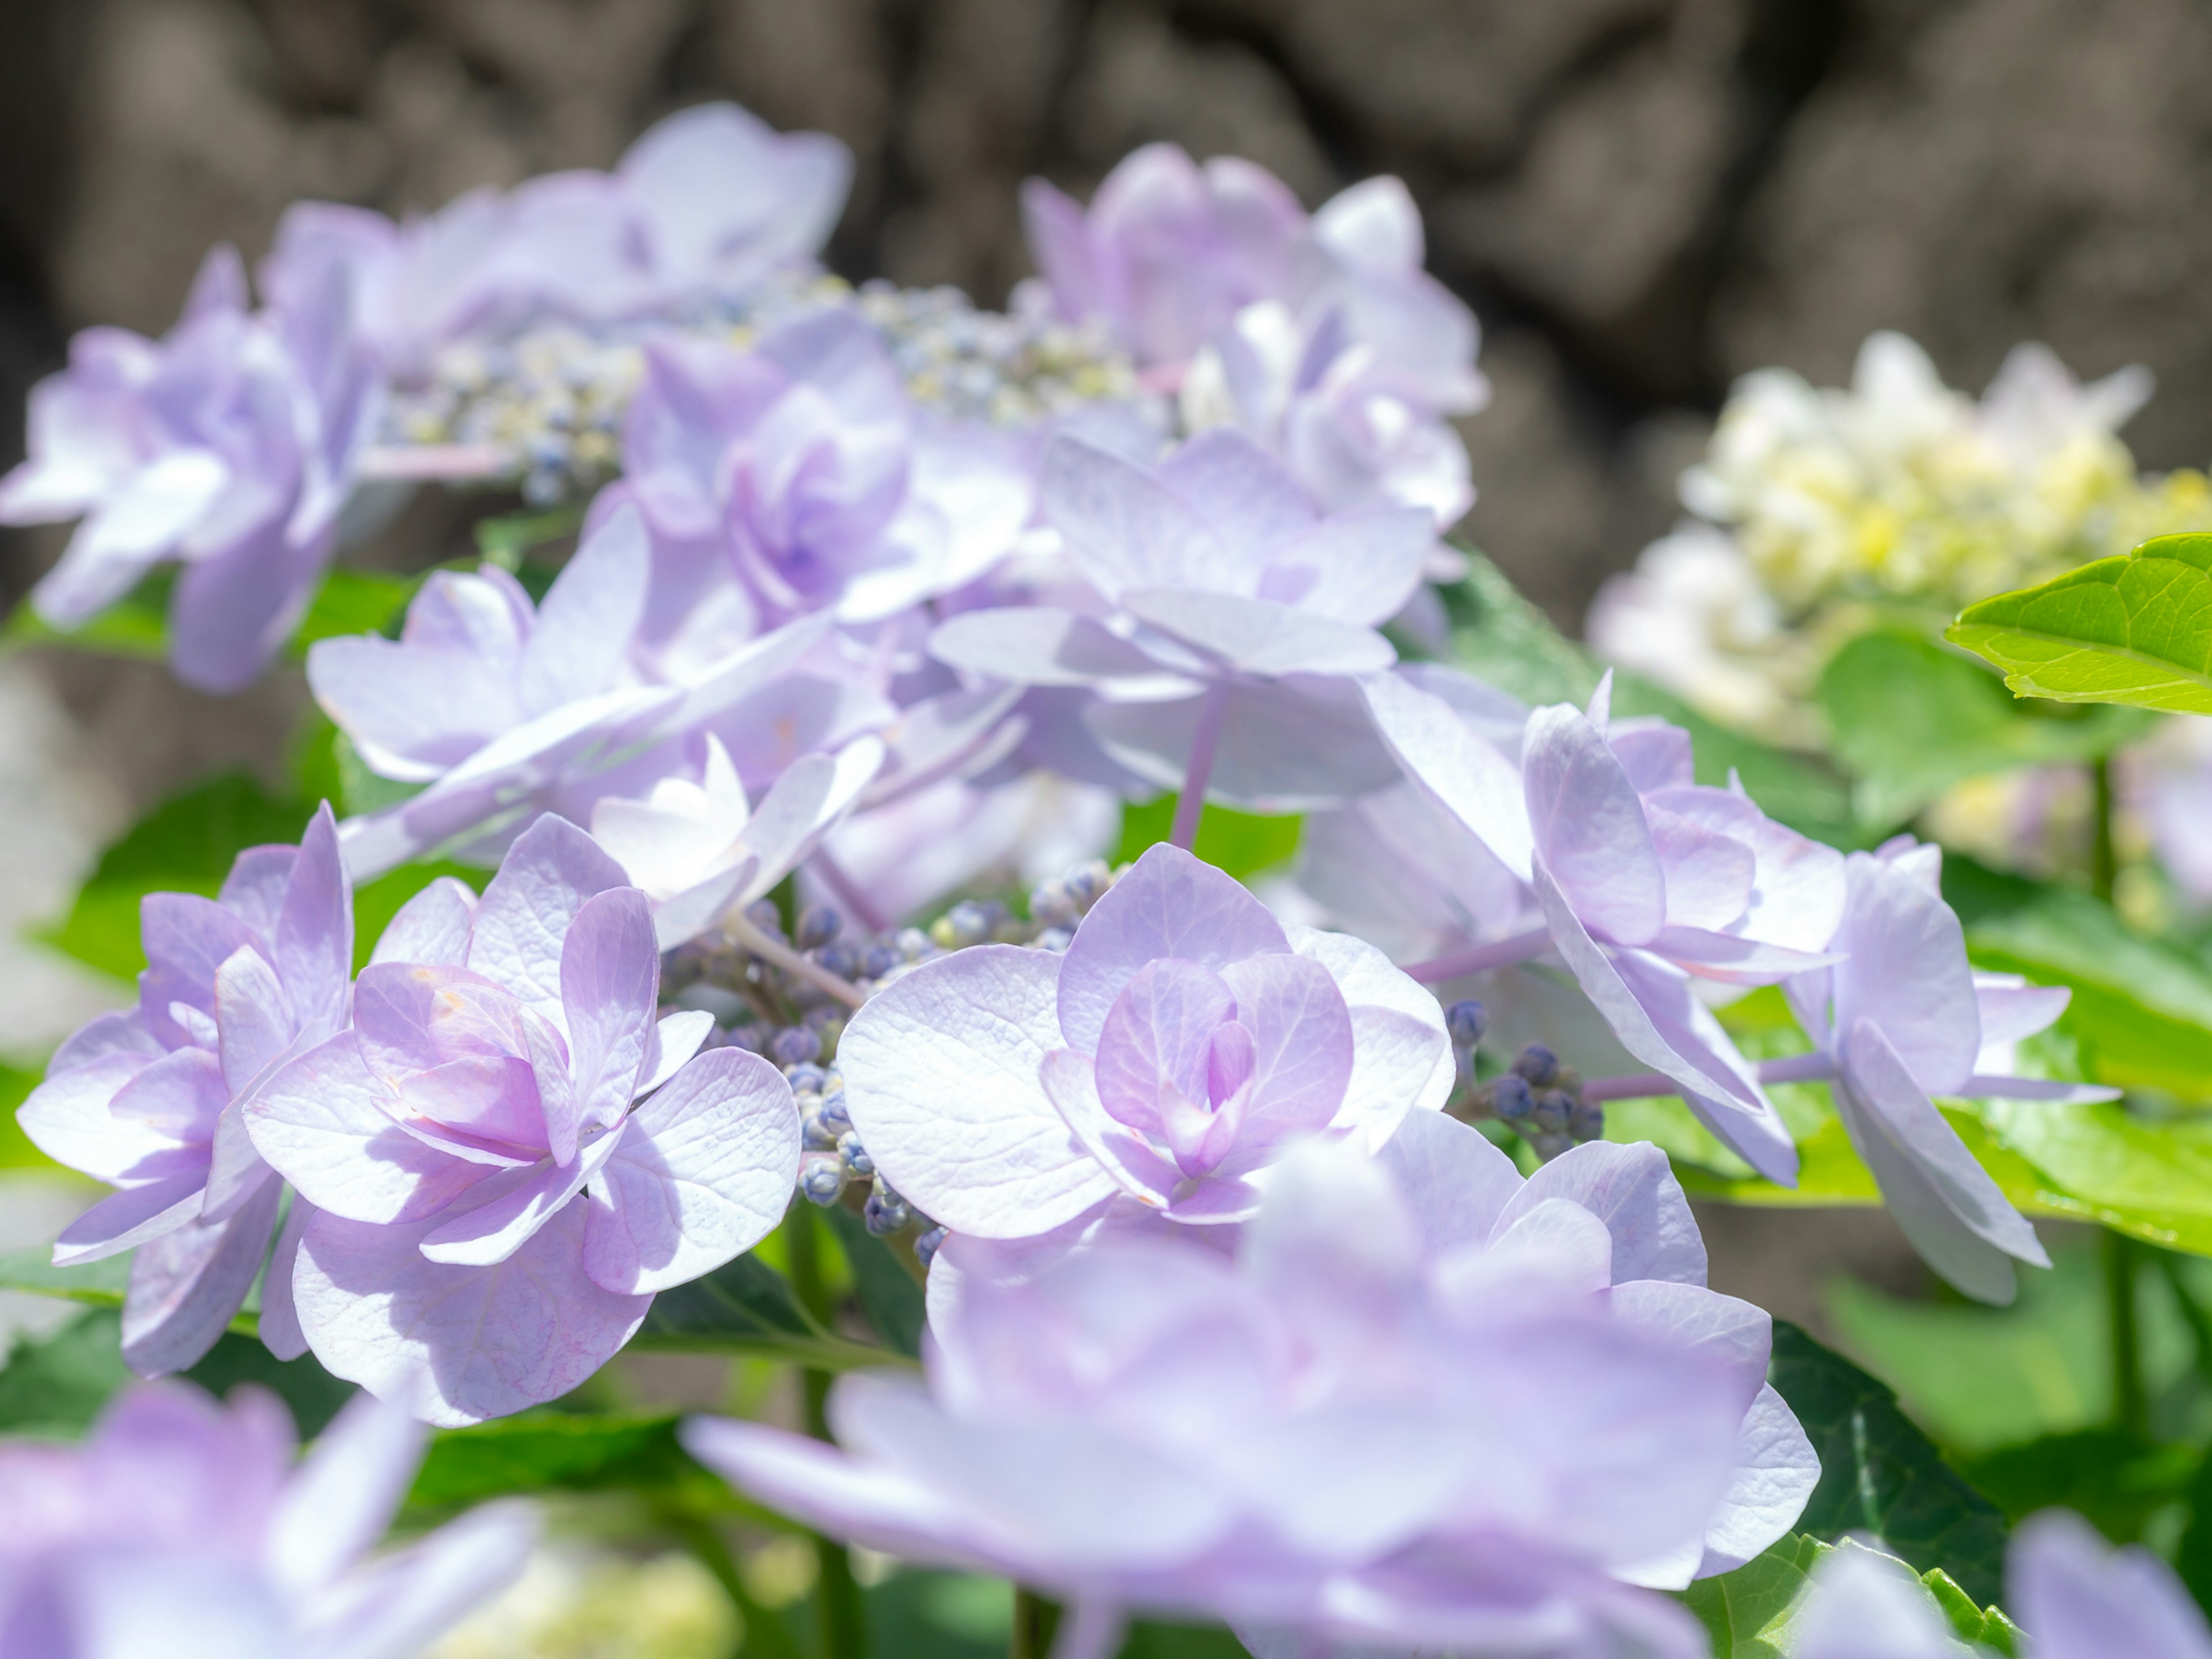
746, 1307
1987, 1625
1880, 1475
549, 1451
1241, 843
1911, 718
889, 1295
1747, 1612
2135, 629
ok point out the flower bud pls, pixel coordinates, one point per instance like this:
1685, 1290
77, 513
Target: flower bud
818, 925
1513, 1100
1538, 1064
822, 1179
794, 1045
926, 1244
1465, 1021
885, 1212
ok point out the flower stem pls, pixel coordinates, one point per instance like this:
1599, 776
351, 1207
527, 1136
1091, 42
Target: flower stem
2104, 858
766, 1636
839, 1617
2130, 1406
1035, 1621
739, 927
1814, 1067
1477, 958
1191, 804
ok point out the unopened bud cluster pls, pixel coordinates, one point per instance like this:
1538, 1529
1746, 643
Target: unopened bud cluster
1540, 1098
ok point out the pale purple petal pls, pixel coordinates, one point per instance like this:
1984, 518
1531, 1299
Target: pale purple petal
255, 886
1589, 828
2084, 1598
280, 1318
400, 1601
1461, 772
338, 1505
1259, 636
702, 1172
1401, 1056
675, 1040
504, 1212
67, 1116
1775, 1471
1906, 970
582, 635
526, 908
610, 984
313, 943
1124, 528
1633, 1191
1861, 1603
126, 1220
1287, 745
1070, 1081
1037, 644
253, 1016
433, 926
1302, 1041
1709, 875
188, 1285
1454, 1183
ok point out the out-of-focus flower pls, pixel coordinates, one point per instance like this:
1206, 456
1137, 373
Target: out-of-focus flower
709, 201
1644, 878
229, 446
1316, 1435
1900, 1017
1179, 1041
505, 709
2082, 1598
180, 1528
505, 1155
149, 1099
1238, 612
1861, 1604
800, 468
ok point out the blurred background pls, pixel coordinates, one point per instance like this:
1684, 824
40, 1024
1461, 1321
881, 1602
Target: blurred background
1641, 199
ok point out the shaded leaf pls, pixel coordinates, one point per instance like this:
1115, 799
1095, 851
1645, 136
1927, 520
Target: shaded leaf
136, 625
55, 1385
889, 1295
746, 1307
2134, 629
1880, 1475
313, 1395
548, 1451
2103, 1474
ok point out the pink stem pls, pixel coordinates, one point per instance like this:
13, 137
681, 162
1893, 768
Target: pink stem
1814, 1067
863, 909
1499, 953
735, 924
437, 463
1191, 805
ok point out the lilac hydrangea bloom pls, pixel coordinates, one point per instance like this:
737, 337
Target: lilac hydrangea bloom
184, 1528
1182, 1038
1313, 1436
1900, 1017
2080, 1597
504, 1156
503, 709
229, 446
1239, 612
1642, 878
707, 202
801, 468
149, 1099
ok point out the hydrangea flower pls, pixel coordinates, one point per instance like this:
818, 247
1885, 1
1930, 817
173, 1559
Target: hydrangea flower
1643, 877
707, 202
149, 1099
504, 1156
1180, 1040
1330, 1434
1238, 613
502, 710
695, 850
179, 1527
1900, 1017
227, 446
800, 468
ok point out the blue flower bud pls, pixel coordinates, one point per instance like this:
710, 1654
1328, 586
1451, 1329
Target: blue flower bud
885, 1212
925, 1246
1549, 1147
822, 1180
857, 1161
1586, 1120
763, 915
1055, 940
1550, 1115
817, 927
833, 1116
793, 1045
752, 1038
1538, 1064
815, 1132
842, 960
879, 961
805, 1078
912, 944
1465, 1021
1514, 1099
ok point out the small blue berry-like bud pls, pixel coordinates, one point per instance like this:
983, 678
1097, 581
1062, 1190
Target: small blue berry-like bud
1550, 1117
885, 1212
1465, 1021
842, 960
815, 1133
925, 1246
794, 1045
817, 927
1055, 940
879, 961
822, 1179
1586, 1120
833, 1116
752, 1038
1550, 1145
763, 915
912, 944
1538, 1064
1051, 907
1515, 1100
857, 1161
805, 1078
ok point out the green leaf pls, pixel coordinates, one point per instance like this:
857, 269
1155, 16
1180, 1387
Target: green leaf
889, 1295
1241, 843
1747, 1612
354, 602
1880, 1475
746, 1307
2101, 1474
184, 845
2134, 629
55, 1385
550, 1451
136, 625
96, 1284
313, 1395
1911, 718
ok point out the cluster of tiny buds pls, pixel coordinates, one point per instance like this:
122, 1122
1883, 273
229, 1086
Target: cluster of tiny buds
1539, 1097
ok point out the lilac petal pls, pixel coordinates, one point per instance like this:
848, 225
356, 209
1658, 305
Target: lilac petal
1259, 637
120, 1033
252, 1014
1733, 1336
1400, 1053
1454, 1184
1069, 1082
1287, 745
433, 926
280, 1318
1548, 1250
675, 1040
1359, 567
1589, 828
1978, 1087
1123, 528
1797, 897
805, 803
1906, 970
458, 1345
1462, 773
313, 939
505, 1211
1709, 875
1246, 495
1861, 1601
1956, 1215
324, 1124
1633, 1191
1169, 904
186, 939
398, 1603
126, 1220
1154, 1049
412, 711
340, 1502
1775, 1471
1732, 959
231, 613
610, 984
703, 1172
582, 636
2012, 1012
235, 1169
254, 889
1655, 755
940, 1072
1302, 1041
187, 1285
2083, 1598
1035, 645
526, 908
67, 1117
140, 523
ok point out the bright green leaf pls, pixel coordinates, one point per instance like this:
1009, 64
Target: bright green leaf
1911, 718
1242, 843
97, 1283
1746, 1612
548, 1451
2135, 629
354, 602
1880, 1475
136, 625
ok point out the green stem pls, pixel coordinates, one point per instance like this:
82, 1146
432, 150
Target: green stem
1036, 1620
767, 1637
2192, 1311
840, 1623
2104, 861
2130, 1408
